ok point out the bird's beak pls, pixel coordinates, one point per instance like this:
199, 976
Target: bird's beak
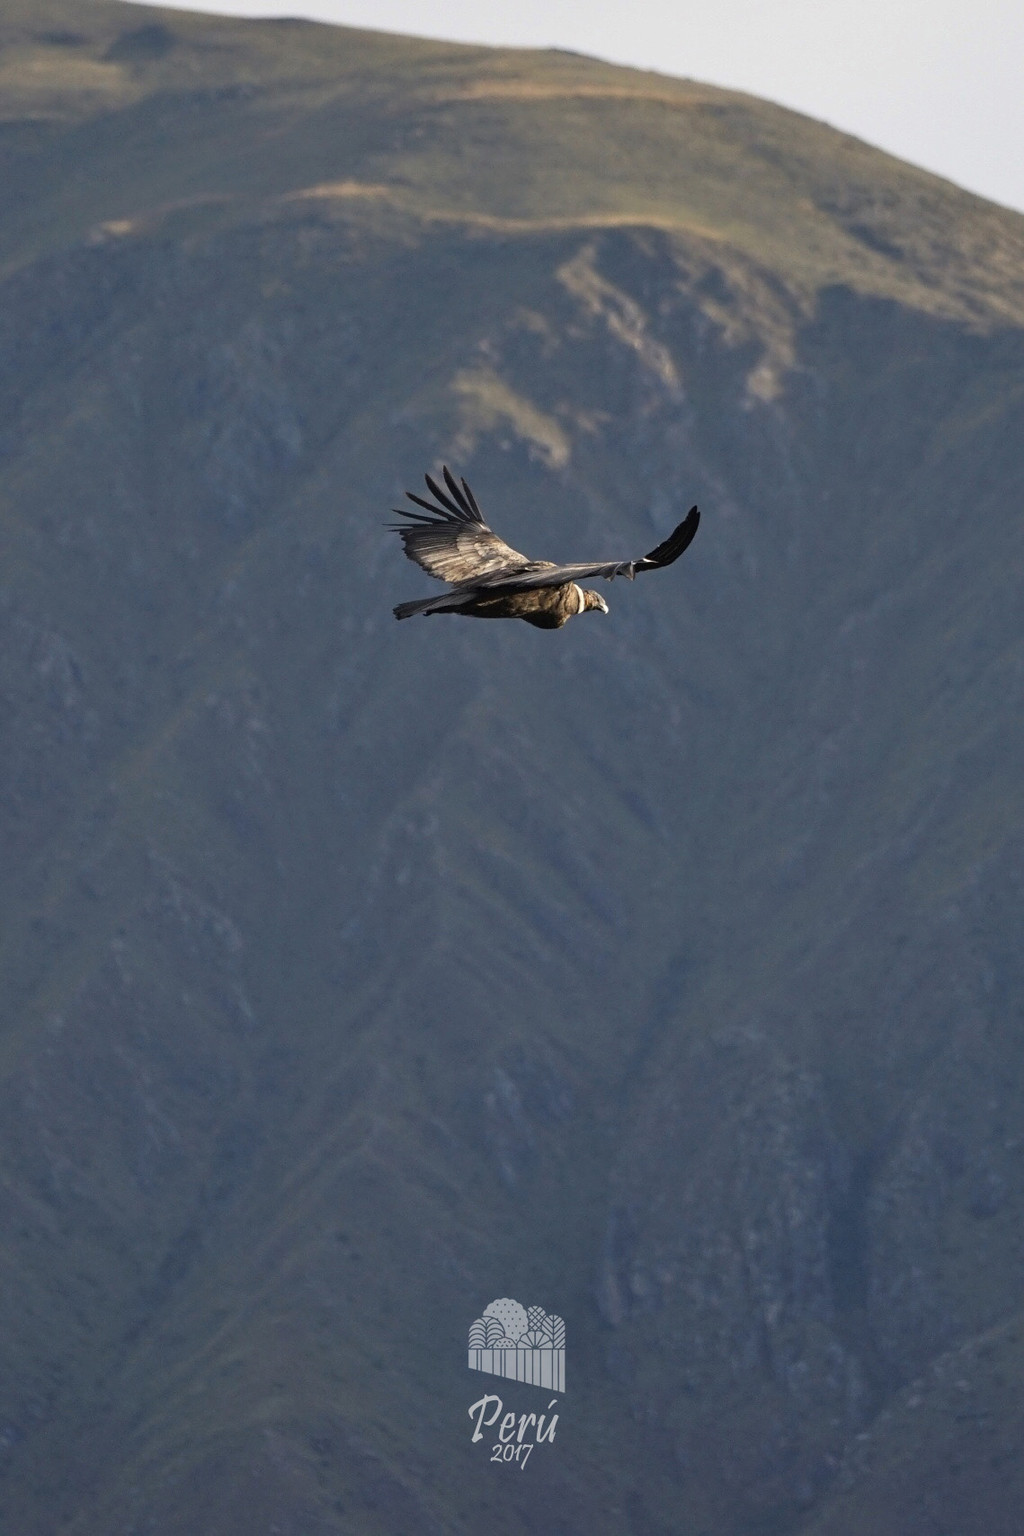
603, 605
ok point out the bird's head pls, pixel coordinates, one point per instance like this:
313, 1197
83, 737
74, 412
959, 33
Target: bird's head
592, 599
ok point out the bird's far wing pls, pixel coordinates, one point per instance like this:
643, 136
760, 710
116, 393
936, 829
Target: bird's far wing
454, 543
557, 575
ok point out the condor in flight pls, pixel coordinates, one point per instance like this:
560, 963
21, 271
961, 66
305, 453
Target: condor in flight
491, 581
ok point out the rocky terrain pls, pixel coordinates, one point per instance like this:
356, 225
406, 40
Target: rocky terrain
665, 971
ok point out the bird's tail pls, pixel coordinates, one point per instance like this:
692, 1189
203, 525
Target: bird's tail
426, 605
406, 610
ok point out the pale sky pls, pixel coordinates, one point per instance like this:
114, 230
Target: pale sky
937, 82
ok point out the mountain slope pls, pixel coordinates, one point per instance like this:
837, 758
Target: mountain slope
663, 971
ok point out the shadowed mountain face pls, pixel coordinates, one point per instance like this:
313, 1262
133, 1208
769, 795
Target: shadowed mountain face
665, 971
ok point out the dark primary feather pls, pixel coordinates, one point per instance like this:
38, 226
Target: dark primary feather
671, 548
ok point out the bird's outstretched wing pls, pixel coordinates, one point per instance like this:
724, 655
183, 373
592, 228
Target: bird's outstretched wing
454, 543
546, 575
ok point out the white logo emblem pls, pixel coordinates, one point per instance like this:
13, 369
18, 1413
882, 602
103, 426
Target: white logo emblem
524, 1344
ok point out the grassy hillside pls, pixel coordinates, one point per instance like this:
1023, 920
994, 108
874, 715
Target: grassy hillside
663, 971
156, 116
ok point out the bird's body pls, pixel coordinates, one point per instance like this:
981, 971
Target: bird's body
489, 580
543, 607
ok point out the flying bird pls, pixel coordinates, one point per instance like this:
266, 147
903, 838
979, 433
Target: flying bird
488, 580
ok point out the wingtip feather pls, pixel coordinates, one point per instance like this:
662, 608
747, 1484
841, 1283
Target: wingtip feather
471, 499
671, 548
453, 486
444, 499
